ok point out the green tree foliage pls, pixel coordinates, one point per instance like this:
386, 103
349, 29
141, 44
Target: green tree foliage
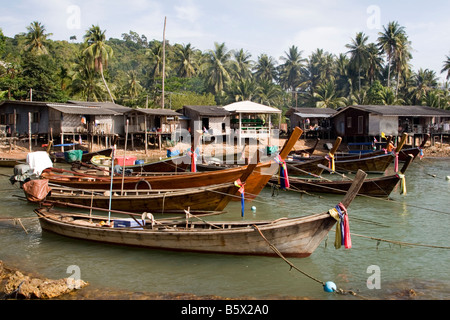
129, 71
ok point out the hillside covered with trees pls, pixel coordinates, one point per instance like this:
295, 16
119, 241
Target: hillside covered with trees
129, 71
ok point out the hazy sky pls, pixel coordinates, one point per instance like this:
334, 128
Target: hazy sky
258, 26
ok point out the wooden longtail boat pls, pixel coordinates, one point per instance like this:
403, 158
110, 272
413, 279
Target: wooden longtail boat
311, 166
292, 237
255, 183
376, 164
172, 164
209, 198
306, 150
60, 157
9, 162
375, 187
403, 154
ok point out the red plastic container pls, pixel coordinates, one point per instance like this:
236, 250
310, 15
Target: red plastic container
129, 161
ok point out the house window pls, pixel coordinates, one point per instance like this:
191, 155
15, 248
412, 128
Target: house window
205, 123
349, 122
360, 124
36, 117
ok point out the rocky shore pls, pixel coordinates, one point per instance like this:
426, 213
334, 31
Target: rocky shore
14, 284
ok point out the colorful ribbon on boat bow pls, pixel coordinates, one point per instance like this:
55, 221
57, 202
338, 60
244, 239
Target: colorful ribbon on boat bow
402, 183
330, 158
342, 227
396, 160
193, 156
241, 190
283, 178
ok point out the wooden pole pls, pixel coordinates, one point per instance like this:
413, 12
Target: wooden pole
164, 62
146, 135
29, 131
124, 157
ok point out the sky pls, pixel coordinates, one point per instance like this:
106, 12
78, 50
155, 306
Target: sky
257, 26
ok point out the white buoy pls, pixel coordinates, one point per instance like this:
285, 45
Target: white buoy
253, 208
447, 178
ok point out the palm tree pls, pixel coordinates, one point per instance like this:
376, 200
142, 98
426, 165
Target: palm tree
390, 41
374, 63
402, 56
133, 87
425, 81
344, 83
36, 38
86, 82
242, 89
290, 71
184, 58
268, 92
98, 52
319, 69
359, 54
388, 97
446, 67
242, 65
265, 69
218, 66
326, 96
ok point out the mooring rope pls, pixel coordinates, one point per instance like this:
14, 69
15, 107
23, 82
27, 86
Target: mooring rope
401, 242
337, 290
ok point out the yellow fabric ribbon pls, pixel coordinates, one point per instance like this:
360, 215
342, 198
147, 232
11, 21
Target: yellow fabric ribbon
331, 159
337, 239
402, 183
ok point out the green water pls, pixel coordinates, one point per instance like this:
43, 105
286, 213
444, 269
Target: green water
422, 216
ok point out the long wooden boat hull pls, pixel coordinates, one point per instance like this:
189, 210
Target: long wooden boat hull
172, 164
292, 237
375, 187
307, 167
60, 158
297, 237
255, 183
376, 164
7, 162
212, 198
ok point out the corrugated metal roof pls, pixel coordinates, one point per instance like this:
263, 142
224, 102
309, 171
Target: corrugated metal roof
402, 111
211, 111
159, 112
69, 109
105, 105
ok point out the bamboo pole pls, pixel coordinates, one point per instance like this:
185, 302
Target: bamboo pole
124, 157
164, 62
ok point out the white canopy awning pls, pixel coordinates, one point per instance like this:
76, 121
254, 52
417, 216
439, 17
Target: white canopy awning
312, 115
250, 107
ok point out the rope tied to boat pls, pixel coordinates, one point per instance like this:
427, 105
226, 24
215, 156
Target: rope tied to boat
292, 266
283, 178
339, 213
241, 186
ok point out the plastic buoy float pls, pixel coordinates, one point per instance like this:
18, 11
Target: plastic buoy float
329, 286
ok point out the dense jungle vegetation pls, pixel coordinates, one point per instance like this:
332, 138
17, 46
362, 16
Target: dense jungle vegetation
129, 71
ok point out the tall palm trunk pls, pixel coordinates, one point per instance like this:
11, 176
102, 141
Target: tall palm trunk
104, 81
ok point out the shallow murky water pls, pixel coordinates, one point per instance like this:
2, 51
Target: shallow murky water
422, 216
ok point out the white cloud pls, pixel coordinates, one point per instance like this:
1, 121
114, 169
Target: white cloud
188, 11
